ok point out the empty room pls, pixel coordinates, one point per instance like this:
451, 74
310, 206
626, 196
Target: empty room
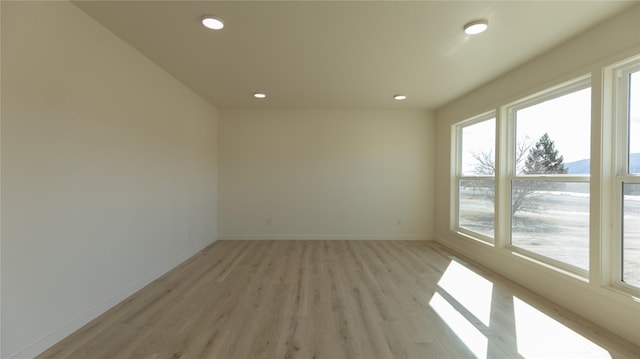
320, 179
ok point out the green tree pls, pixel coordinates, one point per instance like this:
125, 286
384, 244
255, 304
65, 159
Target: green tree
544, 158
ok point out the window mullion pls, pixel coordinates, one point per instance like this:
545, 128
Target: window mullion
615, 261
504, 139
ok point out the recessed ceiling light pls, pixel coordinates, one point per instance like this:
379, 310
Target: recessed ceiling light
476, 27
399, 97
212, 22
259, 95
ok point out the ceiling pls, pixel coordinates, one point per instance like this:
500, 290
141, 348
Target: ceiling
343, 54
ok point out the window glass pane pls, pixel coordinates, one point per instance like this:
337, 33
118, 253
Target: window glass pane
553, 137
476, 206
478, 148
634, 123
631, 234
552, 219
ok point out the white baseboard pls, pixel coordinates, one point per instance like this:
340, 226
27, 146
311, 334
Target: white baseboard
354, 237
74, 324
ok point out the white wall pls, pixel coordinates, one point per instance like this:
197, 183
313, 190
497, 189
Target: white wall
322, 174
108, 172
611, 41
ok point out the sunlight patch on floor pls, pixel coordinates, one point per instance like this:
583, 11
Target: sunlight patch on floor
464, 330
470, 290
540, 336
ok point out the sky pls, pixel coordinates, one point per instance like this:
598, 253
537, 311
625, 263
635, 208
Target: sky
634, 113
478, 138
567, 120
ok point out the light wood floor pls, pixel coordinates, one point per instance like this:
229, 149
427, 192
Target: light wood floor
336, 299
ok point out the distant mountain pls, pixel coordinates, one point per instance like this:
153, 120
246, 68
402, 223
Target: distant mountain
582, 167
634, 163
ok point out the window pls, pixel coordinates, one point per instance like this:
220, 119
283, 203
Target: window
475, 176
627, 241
549, 175
522, 178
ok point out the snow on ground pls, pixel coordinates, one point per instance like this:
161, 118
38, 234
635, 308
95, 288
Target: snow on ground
556, 225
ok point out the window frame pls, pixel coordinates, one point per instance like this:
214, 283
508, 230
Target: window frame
609, 154
620, 119
457, 142
510, 110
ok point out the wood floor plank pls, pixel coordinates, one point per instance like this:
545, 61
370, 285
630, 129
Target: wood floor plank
334, 300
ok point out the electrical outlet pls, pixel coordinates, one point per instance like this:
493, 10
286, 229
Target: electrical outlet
268, 221
399, 222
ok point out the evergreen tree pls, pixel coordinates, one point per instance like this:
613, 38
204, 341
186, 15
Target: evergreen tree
544, 158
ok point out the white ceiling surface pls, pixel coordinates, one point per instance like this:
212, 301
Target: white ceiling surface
343, 54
